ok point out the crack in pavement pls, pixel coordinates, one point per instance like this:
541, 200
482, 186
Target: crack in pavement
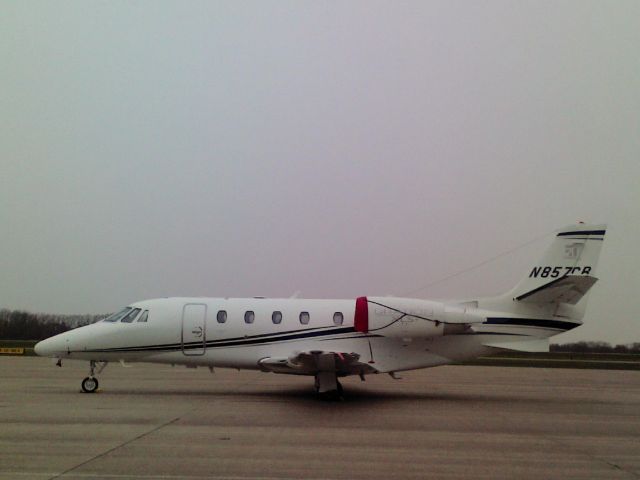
593, 457
142, 435
100, 455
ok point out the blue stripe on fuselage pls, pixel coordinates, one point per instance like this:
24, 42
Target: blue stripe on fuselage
235, 341
531, 322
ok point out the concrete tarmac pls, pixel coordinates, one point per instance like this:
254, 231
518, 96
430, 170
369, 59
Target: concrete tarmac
453, 422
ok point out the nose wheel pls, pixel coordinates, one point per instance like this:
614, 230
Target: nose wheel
90, 383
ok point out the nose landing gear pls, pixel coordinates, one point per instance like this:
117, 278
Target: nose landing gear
90, 383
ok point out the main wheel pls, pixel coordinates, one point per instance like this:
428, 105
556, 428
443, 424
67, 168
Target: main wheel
89, 385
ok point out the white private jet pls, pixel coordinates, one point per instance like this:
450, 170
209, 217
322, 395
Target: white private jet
329, 339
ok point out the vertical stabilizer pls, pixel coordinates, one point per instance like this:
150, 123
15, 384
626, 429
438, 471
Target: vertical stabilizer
573, 253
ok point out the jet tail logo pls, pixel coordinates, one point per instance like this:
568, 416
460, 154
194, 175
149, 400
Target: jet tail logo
571, 252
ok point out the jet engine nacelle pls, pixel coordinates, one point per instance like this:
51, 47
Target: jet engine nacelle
412, 318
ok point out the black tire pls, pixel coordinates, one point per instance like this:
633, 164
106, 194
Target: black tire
89, 385
331, 396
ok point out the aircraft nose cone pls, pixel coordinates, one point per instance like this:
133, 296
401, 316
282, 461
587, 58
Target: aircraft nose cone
46, 348
41, 348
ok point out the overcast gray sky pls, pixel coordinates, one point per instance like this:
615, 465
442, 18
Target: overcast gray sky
155, 148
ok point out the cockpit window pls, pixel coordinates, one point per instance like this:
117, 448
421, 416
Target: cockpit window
144, 317
117, 316
131, 316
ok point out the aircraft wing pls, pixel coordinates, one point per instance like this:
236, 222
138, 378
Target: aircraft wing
568, 289
316, 361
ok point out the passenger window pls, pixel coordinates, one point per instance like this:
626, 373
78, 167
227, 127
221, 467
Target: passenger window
249, 316
304, 318
222, 316
338, 318
130, 317
117, 316
276, 317
144, 317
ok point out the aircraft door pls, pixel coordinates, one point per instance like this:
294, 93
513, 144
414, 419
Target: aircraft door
194, 335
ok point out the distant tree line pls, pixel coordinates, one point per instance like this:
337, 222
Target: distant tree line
20, 325
595, 347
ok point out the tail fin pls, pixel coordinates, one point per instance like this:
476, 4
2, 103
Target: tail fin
567, 270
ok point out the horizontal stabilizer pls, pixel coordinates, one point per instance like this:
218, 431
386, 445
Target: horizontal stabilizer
535, 345
568, 289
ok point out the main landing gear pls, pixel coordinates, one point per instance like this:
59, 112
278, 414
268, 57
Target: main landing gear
90, 383
328, 387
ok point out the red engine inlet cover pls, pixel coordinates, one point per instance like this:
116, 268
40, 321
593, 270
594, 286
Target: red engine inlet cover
361, 319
